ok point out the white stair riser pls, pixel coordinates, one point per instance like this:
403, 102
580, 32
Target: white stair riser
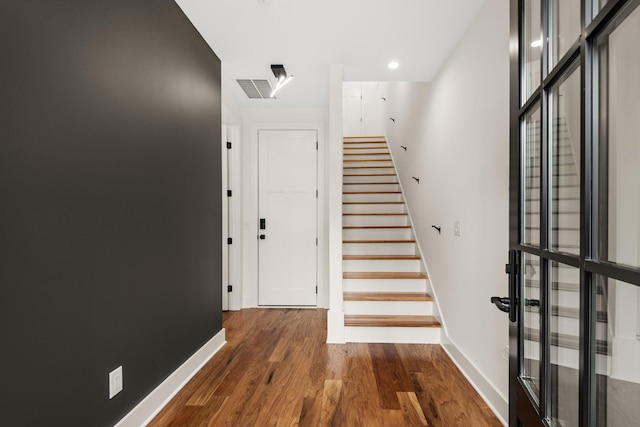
563, 180
378, 248
392, 335
377, 265
560, 206
384, 285
376, 233
372, 198
561, 220
367, 170
565, 162
365, 142
365, 178
563, 236
374, 208
370, 187
569, 299
567, 357
367, 156
380, 220
368, 164
561, 193
390, 308
353, 150
564, 325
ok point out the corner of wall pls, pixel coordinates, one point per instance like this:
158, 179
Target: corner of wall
498, 403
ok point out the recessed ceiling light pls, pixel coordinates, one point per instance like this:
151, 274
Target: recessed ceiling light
393, 65
536, 43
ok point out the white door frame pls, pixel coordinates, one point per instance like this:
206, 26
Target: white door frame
231, 220
225, 220
250, 211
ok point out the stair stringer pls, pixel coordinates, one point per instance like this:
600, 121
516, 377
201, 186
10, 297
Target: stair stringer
430, 287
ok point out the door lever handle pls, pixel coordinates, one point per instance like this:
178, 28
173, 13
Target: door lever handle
262, 237
503, 303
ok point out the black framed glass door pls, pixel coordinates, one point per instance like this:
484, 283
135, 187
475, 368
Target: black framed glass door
574, 259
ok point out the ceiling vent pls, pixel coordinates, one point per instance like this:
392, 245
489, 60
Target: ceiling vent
256, 89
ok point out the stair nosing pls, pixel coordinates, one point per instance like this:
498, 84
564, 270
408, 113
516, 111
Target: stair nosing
359, 320
375, 275
387, 296
379, 257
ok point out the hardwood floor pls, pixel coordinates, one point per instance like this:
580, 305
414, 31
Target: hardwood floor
277, 370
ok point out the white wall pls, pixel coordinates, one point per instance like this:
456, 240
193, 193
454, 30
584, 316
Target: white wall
456, 132
276, 118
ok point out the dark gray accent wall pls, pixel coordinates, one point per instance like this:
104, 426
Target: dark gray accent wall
110, 204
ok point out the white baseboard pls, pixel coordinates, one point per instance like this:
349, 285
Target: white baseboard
498, 403
151, 405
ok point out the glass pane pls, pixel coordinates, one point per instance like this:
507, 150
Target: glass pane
565, 28
531, 48
531, 177
617, 130
565, 339
617, 353
564, 159
531, 365
597, 6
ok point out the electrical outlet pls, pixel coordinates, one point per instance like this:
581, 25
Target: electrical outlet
457, 228
116, 383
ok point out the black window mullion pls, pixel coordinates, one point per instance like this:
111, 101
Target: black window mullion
545, 324
587, 374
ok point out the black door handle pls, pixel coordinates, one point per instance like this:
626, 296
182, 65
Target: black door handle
508, 304
262, 237
503, 303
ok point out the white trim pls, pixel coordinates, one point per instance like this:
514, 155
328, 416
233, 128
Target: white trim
235, 215
498, 403
335, 316
225, 218
153, 403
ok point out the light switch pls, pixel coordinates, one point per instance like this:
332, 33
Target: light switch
457, 228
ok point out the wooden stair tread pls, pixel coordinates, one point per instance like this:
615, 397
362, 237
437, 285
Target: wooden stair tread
378, 257
384, 153
355, 150
375, 144
387, 296
373, 203
391, 321
370, 174
368, 167
371, 192
382, 275
378, 241
366, 160
373, 213
356, 227
370, 183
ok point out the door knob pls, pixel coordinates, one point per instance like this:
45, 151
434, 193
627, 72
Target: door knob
262, 237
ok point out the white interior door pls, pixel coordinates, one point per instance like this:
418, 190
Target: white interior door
352, 109
371, 109
287, 254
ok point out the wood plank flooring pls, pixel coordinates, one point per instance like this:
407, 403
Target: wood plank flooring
277, 370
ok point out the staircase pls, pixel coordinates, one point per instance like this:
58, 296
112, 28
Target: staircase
385, 287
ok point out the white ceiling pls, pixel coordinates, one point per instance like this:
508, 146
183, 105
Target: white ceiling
309, 35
